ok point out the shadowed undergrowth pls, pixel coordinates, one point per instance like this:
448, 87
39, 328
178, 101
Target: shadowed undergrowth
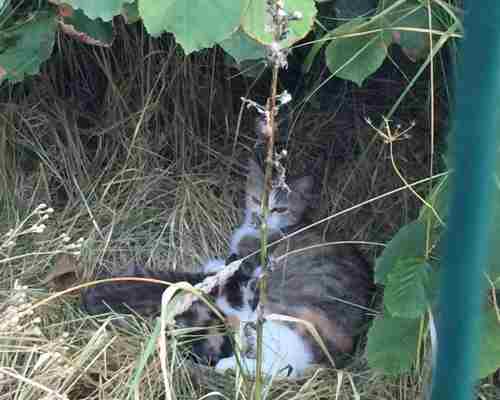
141, 152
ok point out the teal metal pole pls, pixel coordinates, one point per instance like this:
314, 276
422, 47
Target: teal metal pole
474, 145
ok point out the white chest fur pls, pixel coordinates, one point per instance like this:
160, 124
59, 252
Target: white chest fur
284, 353
284, 350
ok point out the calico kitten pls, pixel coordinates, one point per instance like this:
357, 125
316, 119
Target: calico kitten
327, 286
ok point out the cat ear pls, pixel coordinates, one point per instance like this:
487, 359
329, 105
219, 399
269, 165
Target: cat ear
254, 185
303, 185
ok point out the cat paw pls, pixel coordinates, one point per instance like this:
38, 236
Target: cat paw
225, 364
248, 365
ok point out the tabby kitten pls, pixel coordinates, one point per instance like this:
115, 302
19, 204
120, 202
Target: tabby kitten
326, 286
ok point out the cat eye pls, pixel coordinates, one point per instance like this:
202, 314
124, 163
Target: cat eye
279, 210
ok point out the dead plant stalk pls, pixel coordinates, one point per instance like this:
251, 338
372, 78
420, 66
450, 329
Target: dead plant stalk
279, 20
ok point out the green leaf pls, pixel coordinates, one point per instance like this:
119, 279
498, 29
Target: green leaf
348, 9
130, 13
413, 16
255, 20
392, 344
489, 353
90, 31
250, 68
196, 24
27, 46
104, 9
405, 290
408, 243
438, 199
242, 47
313, 53
358, 48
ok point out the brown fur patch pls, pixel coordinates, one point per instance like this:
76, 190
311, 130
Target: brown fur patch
327, 328
233, 321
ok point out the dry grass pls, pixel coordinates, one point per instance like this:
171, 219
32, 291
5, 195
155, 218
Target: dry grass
140, 151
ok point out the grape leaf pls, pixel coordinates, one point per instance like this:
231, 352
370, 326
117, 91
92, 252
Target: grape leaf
95, 32
357, 49
242, 47
196, 24
413, 17
24, 48
130, 12
255, 20
104, 9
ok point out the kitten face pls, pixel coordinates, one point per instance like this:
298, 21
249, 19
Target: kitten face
286, 208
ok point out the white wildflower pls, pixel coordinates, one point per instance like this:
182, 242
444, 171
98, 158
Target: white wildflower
284, 97
40, 207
